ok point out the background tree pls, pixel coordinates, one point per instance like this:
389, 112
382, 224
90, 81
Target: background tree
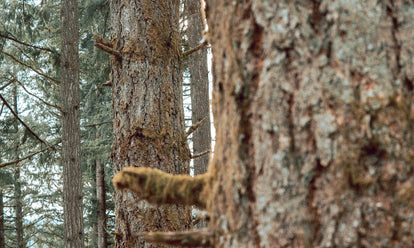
313, 112
71, 146
147, 107
200, 104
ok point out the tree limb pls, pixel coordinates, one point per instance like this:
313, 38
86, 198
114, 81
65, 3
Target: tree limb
159, 187
200, 154
199, 238
195, 49
194, 127
29, 66
105, 45
22, 122
26, 44
27, 156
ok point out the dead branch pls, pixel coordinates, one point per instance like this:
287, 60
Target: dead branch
194, 127
195, 49
200, 154
199, 238
105, 45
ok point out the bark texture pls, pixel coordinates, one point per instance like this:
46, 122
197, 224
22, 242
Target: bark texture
148, 110
101, 204
200, 104
314, 119
71, 146
2, 236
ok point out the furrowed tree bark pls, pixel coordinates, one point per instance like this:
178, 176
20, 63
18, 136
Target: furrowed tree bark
2, 241
101, 204
148, 110
71, 146
313, 113
200, 104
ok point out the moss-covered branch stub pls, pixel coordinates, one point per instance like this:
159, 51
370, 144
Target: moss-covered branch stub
159, 187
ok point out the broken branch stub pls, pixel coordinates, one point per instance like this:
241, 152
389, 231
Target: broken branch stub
159, 187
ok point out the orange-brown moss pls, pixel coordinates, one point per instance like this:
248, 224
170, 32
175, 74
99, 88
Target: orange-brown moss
158, 187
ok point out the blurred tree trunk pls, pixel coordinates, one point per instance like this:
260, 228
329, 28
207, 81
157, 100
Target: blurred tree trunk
71, 146
101, 204
200, 105
18, 205
313, 107
148, 110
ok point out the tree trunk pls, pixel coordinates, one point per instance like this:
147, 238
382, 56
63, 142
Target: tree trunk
71, 146
200, 104
101, 204
313, 113
2, 241
148, 110
18, 205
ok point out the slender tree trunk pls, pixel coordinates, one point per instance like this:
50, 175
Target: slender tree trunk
2, 241
101, 204
148, 111
17, 184
71, 147
200, 105
314, 119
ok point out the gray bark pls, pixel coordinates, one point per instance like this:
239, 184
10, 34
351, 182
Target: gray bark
71, 146
313, 112
200, 105
148, 110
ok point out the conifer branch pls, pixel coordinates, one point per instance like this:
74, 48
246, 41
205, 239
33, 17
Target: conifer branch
159, 187
29, 66
38, 98
27, 156
26, 44
22, 122
199, 238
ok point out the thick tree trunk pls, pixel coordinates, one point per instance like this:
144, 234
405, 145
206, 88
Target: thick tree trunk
148, 111
313, 112
200, 104
101, 204
71, 146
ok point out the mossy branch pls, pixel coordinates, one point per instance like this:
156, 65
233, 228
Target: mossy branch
159, 187
199, 238
106, 46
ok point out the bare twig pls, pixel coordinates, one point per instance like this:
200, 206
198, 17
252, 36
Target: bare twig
200, 154
194, 127
188, 52
97, 124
